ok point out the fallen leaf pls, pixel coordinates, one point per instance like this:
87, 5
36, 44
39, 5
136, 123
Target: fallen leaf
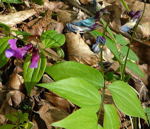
39, 25
15, 82
15, 97
57, 101
16, 18
50, 114
79, 51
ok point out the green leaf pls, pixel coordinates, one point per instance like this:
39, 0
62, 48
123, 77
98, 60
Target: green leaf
5, 28
100, 127
28, 125
147, 111
126, 99
23, 117
40, 2
121, 40
134, 68
7, 126
131, 56
76, 90
52, 39
12, 117
113, 48
33, 75
13, 1
96, 33
73, 69
111, 118
3, 46
81, 119
23, 33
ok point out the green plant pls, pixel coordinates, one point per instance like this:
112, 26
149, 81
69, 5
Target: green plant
80, 84
18, 120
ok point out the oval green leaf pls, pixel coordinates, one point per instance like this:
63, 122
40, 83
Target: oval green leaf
73, 69
134, 68
111, 118
81, 119
126, 99
78, 91
52, 39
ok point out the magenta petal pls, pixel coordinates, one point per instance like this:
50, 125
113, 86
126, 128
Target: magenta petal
35, 59
12, 43
9, 53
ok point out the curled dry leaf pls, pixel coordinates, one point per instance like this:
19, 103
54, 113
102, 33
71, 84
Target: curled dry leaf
57, 101
79, 51
15, 97
16, 18
15, 82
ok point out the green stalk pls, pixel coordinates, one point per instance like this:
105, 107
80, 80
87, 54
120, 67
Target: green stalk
125, 5
102, 70
132, 36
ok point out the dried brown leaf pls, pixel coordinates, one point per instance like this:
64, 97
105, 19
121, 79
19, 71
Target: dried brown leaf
16, 18
79, 51
57, 101
15, 82
15, 97
50, 114
39, 25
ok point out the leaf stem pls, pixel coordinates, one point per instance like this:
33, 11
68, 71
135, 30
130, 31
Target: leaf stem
125, 5
132, 36
102, 70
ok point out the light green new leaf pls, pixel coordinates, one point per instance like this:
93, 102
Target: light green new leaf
126, 99
78, 91
3, 46
134, 68
73, 69
52, 39
131, 56
83, 118
111, 118
33, 75
13, 1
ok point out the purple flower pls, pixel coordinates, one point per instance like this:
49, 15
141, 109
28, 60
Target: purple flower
15, 51
20, 52
99, 41
35, 58
135, 15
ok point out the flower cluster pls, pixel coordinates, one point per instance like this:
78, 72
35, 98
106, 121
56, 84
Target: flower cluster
100, 40
135, 16
20, 52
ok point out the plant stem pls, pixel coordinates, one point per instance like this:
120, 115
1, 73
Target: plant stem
102, 69
125, 5
132, 36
